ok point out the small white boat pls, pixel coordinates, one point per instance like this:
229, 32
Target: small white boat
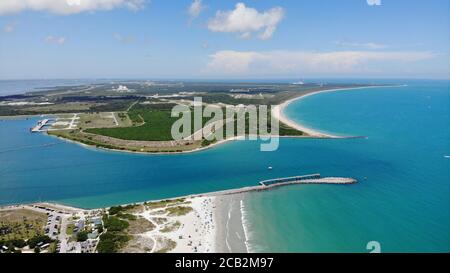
269, 168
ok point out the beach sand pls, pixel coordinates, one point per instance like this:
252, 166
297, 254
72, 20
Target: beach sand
278, 112
230, 232
193, 232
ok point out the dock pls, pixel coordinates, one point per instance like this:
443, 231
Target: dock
39, 125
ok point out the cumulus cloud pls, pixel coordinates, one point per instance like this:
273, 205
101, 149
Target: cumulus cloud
374, 2
245, 20
65, 7
300, 62
195, 9
50, 39
364, 45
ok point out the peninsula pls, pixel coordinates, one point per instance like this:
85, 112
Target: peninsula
135, 116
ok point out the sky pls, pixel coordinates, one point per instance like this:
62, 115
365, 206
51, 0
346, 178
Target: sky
227, 39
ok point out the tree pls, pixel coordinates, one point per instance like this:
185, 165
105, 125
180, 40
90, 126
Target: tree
82, 236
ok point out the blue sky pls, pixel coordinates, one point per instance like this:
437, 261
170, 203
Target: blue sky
224, 39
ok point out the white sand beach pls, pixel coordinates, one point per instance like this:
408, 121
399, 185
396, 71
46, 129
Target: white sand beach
278, 112
190, 232
230, 235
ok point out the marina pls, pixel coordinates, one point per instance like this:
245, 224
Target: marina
40, 124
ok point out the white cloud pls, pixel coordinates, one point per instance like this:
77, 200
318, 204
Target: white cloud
65, 7
364, 45
374, 2
50, 39
244, 21
248, 63
195, 9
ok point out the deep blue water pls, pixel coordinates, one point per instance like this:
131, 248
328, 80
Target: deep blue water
402, 199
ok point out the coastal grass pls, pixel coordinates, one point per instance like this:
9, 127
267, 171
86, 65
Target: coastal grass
171, 227
178, 210
140, 225
164, 203
21, 224
166, 245
138, 244
122, 145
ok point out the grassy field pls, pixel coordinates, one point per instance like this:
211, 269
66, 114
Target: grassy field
21, 224
157, 126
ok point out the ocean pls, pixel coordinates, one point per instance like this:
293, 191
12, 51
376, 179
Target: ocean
402, 199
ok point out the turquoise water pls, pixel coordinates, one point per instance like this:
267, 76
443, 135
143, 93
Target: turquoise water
402, 199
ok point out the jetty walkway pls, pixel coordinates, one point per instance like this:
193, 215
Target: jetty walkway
279, 182
39, 125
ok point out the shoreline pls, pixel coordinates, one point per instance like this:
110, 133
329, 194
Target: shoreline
216, 222
279, 111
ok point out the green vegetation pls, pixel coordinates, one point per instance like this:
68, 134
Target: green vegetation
157, 126
167, 245
111, 242
140, 225
113, 239
52, 248
126, 216
82, 236
178, 211
122, 211
21, 224
154, 123
206, 142
113, 223
33, 242
69, 229
171, 227
115, 210
163, 203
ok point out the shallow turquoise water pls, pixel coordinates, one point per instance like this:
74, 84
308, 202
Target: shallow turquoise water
402, 199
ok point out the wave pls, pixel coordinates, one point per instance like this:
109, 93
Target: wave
245, 224
230, 208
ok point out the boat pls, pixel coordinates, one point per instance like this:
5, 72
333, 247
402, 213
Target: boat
269, 168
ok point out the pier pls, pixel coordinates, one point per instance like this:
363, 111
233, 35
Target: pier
286, 181
289, 179
38, 127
